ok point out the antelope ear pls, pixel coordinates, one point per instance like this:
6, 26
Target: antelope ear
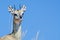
10, 9
23, 8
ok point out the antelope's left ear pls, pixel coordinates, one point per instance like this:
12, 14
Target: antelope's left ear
10, 9
23, 8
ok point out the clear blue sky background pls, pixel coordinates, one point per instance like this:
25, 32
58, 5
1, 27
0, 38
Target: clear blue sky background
41, 15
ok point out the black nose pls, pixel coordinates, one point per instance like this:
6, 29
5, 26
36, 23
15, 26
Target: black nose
20, 17
15, 14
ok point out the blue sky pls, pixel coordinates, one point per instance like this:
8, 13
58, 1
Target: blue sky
41, 15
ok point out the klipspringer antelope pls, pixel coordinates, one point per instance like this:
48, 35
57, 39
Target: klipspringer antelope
17, 19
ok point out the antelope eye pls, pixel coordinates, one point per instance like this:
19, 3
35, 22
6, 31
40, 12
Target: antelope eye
20, 17
15, 14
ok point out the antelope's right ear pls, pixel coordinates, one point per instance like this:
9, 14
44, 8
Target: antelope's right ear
10, 9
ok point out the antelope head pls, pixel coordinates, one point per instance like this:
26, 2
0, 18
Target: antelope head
18, 14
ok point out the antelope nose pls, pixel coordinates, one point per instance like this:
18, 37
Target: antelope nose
20, 17
15, 14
